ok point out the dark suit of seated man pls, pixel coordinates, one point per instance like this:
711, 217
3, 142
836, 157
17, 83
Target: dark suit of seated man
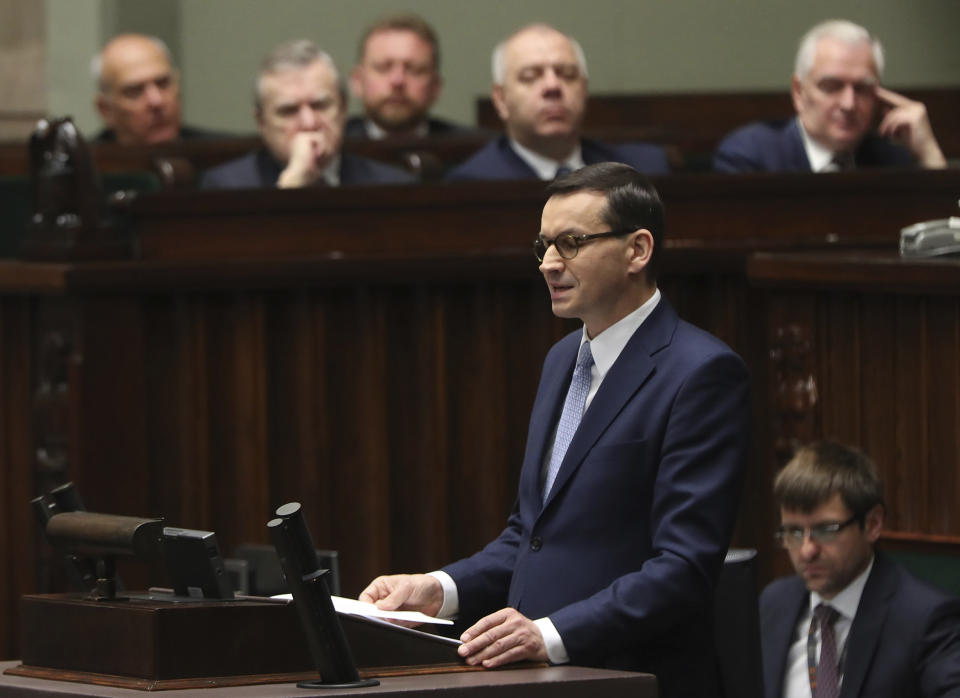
540, 93
300, 111
837, 96
632, 471
888, 634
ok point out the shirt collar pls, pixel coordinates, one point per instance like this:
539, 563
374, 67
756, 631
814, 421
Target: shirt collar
847, 600
607, 345
546, 168
374, 132
820, 157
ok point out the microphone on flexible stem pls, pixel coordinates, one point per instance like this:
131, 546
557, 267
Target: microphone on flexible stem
311, 596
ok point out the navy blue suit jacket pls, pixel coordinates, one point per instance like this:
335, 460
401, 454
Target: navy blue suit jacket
624, 553
904, 641
258, 170
778, 147
497, 160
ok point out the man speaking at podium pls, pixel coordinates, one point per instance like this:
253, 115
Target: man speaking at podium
632, 471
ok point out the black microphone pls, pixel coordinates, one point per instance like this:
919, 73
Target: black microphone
311, 596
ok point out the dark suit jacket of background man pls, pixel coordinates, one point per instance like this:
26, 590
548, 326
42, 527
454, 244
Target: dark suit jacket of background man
187, 133
357, 128
259, 170
497, 160
651, 478
778, 147
904, 641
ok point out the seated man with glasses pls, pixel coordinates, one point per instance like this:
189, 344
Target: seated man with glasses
851, 618
632, 472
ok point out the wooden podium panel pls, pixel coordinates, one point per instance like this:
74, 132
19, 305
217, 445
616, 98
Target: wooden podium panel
151, 644
542, 682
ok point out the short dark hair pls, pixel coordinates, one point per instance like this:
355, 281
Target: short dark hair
403, 22
632, 201
819, 470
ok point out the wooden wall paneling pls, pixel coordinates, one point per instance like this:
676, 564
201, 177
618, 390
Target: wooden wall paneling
417, 413
19, 545
298, 437
757, 518
839, 345
356, 378
178, 409
878, 397
943, 415
238, 426
54, 333
480, 496
905, 484
108, 451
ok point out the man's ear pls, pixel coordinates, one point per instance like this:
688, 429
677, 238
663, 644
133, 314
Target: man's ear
104, 108
356, 83
641, 249
499, 101
796, 92
873, 523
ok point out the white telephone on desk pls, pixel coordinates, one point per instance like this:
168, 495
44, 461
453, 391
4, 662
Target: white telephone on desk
931, 238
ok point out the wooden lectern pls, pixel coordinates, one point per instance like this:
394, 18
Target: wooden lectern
158, 644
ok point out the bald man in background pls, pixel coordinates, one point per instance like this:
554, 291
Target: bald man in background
540, 93
138, 93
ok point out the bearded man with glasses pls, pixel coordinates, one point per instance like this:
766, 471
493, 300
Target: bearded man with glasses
851, 619
632, 472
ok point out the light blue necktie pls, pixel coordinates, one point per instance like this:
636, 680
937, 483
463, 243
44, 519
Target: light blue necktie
572, 412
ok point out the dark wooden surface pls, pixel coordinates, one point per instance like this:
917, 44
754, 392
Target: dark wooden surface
375, 356
427, 157
713, 213
696, 122
547, 682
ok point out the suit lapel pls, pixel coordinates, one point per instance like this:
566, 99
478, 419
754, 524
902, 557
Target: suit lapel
627, 375
778, 636
867, 625
798, 153
515, 164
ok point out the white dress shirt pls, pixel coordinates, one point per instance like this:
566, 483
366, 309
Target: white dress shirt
546, 168
821, 158
796, 683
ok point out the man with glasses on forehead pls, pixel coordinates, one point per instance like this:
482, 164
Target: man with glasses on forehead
632, 471
851, 619
838, 99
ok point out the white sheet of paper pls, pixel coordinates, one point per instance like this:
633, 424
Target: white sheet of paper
362, 608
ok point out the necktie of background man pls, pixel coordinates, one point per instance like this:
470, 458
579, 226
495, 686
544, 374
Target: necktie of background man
824, 678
